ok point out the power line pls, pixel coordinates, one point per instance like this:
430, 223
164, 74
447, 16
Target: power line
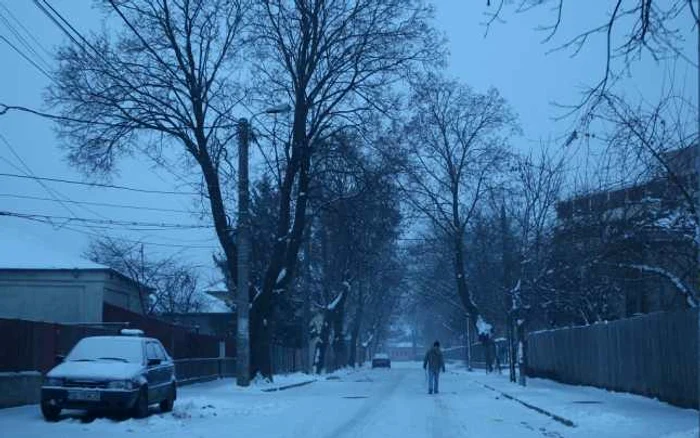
23, 55
70, 26
55, 194
29, 173
68, 219
43, 9
101, 185
96, 204
22, 40
147, 243
26, 31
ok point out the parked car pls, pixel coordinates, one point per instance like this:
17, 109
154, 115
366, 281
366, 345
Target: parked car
125, 373
381, 360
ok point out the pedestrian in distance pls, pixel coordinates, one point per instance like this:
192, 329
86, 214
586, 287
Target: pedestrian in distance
434, 363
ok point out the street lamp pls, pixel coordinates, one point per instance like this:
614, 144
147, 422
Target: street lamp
243, 243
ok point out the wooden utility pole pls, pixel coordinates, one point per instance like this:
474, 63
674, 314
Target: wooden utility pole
242, 288
697, 197
306, 319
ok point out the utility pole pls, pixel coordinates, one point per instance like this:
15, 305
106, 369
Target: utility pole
469, 344
243, 243
242, 288
306, 319
143, 294
697, 196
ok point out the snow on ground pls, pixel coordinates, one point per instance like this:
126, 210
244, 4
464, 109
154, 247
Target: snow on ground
596, 412
375, 403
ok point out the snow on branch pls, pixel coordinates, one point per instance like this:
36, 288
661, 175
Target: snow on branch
483, 327
515, 294
335, 302
281, 276
690, 297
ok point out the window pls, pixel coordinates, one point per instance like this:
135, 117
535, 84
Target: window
160, 351
152, 351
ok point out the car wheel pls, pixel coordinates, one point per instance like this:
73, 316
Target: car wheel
50, 412
167, 404
141, 406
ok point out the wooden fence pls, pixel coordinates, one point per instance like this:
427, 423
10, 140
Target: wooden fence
654, 355
286, 360
34, 345
180, 341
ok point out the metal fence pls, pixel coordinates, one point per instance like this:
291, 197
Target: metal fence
654, 355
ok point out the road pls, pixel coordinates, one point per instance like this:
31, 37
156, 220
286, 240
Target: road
365, 403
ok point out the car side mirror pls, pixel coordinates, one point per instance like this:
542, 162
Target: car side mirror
153, 362
59, 358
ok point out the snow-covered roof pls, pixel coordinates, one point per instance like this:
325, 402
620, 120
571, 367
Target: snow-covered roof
21, 250
211, 304
216, 286
401, 345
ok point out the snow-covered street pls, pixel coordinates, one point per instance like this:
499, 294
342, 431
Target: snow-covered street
380, 403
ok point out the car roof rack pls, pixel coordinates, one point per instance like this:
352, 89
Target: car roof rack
131, 332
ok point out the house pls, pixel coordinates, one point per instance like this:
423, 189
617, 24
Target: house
219, 324
44, 284
220, 293
628, 250
404, 351
216, 317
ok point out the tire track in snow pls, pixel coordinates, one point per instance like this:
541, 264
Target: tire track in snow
370, 407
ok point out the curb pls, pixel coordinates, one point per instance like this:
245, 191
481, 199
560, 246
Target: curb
294, 385
559, 418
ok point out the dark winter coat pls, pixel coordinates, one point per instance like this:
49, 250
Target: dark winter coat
433, 360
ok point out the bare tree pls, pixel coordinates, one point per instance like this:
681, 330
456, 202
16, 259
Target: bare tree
165, 284
456, 144
650, 217
356, 215
527, 256
334, 61
631, 29
162, 82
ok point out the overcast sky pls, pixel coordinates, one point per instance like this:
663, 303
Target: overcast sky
511, 58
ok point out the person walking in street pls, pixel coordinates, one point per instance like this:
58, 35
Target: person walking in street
434, 363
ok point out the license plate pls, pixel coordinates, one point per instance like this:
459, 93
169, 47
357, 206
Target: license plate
84, 395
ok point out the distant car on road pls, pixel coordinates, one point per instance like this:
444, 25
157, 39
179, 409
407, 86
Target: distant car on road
381, 360
111, 373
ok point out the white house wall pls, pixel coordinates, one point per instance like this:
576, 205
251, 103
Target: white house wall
52, 296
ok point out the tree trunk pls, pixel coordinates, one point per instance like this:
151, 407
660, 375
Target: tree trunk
511, 349
462, 287
338, 315
260, 338
522, 351
322, 344
289, 237
355, 334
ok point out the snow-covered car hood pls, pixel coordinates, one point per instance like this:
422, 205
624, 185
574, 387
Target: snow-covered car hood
97, 370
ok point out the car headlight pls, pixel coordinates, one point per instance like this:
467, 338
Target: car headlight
121, 384
53, 381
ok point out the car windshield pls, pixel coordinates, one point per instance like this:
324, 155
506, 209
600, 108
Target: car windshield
107, 349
